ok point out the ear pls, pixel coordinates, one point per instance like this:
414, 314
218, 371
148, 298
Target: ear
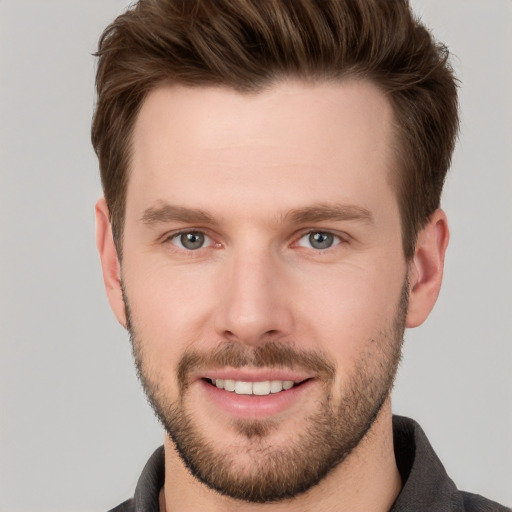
109, 261
426, 268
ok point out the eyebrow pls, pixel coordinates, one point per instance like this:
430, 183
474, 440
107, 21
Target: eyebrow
335, 212
309, 214
171, 213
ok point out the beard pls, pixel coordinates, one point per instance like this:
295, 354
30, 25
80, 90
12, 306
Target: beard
328, 434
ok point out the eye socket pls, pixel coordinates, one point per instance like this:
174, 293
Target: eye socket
319, 240
191, 240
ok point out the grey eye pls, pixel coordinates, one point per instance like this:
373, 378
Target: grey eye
190, 241
318, 240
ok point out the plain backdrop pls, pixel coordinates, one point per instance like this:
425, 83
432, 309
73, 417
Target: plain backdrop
75, 430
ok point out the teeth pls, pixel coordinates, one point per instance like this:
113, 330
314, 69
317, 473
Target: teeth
261, 388
229, 385
253, 388
243, 388
276, 386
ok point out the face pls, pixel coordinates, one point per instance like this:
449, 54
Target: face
264, 278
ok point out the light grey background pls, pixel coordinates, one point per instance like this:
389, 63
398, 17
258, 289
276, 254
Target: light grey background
75, 430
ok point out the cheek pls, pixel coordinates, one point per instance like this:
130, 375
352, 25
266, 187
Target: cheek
348, 309
168, 310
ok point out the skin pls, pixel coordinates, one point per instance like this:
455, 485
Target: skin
249, 161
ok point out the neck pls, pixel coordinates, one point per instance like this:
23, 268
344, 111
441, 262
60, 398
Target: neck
367, 480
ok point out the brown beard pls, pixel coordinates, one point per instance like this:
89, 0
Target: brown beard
330, 434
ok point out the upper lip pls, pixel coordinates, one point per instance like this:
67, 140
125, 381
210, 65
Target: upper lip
253, 375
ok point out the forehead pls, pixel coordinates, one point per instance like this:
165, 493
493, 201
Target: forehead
328, 140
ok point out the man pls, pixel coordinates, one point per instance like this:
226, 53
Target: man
272, 174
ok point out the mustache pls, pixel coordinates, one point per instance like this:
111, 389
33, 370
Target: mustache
270, 355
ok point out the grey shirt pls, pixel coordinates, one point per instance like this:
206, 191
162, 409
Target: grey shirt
426, 486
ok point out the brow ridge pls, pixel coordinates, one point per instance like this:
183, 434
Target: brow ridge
165, 212
329, 211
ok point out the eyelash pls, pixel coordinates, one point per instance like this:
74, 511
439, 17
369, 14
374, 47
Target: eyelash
337, 239
179, 234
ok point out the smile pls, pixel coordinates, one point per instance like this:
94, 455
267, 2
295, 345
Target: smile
253, 388
254, 395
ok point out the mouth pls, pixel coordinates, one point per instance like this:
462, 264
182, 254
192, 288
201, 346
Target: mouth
256, 388
247, 395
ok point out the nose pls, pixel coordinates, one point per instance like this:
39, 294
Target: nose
254, 304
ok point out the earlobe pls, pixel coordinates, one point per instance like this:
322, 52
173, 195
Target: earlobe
426, 268
109, 261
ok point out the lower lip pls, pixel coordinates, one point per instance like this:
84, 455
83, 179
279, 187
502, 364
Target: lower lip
254, 406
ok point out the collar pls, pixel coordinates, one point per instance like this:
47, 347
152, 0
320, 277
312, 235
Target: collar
426, 485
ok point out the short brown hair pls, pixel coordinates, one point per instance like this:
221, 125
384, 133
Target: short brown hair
250, 44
